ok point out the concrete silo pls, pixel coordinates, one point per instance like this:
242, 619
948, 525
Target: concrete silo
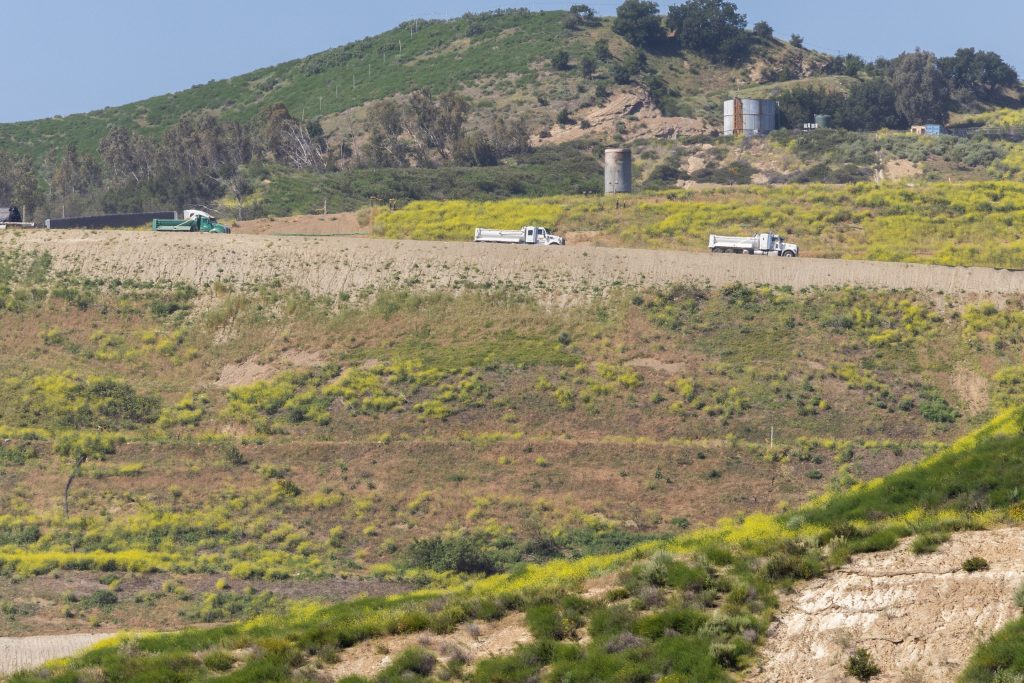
750, 117
618, 171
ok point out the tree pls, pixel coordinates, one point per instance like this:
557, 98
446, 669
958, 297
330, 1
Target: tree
580, 15
199, 155
74, 174
560, 61
385, 148
294, 143
763, 30
922, 92
797, 41
602, 52
713, 28
871, 105
588, 66
128, 158
639, 23
846, 65
584, 12
78, 447
19, 183
438, 124
800, 105
975, 73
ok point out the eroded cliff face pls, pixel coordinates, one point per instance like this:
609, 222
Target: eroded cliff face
920, 616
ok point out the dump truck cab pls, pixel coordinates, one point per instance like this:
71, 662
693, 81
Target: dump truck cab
193, 220
10, 214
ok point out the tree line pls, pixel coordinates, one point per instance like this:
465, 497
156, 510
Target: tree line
202, 158
196, 160
916, 87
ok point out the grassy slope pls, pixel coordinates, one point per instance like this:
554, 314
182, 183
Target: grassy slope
437, 56
976, 224
694, 605
501, 61
413, 420
479, 415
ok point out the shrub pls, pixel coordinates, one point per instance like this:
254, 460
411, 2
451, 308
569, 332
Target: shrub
934, 408
218, 660
560, 61
862, 666
415, 660
546, 622
467, 554
101, 598
928, 542
625, 641
975, 564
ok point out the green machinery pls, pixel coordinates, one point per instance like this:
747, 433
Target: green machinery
193, 221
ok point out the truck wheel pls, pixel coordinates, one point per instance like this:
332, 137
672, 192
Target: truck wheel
717, 250
747, 251
788, 254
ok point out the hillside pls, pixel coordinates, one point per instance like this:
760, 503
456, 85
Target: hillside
382, 438
508, 114
501, 59
690, 608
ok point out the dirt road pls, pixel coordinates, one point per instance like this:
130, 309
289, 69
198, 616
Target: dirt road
18, 654
920, 616
332, 265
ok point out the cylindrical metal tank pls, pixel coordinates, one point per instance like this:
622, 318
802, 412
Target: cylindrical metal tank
618, 171
823, 120
750, 117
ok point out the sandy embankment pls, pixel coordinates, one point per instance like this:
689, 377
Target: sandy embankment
17, 654
333, 265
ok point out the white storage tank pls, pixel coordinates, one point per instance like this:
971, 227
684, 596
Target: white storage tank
618, 171
750, 117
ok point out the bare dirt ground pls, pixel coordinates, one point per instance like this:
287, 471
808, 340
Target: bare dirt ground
470, 643
920, 616
253, 370
328, 224
17, 654
41, 605
633, 108
356, 266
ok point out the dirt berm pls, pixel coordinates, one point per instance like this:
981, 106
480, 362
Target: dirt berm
919, 616
332, 265
17, 654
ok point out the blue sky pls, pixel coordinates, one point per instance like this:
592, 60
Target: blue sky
69, 56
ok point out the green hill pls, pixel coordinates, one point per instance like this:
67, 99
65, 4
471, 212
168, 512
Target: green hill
522, 82
423, 54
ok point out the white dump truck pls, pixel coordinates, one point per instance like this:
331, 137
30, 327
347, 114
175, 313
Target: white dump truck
531, 234
761, 243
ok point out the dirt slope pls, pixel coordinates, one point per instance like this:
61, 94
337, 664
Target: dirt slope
469, 643
920, 616
333, 265
17, 654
